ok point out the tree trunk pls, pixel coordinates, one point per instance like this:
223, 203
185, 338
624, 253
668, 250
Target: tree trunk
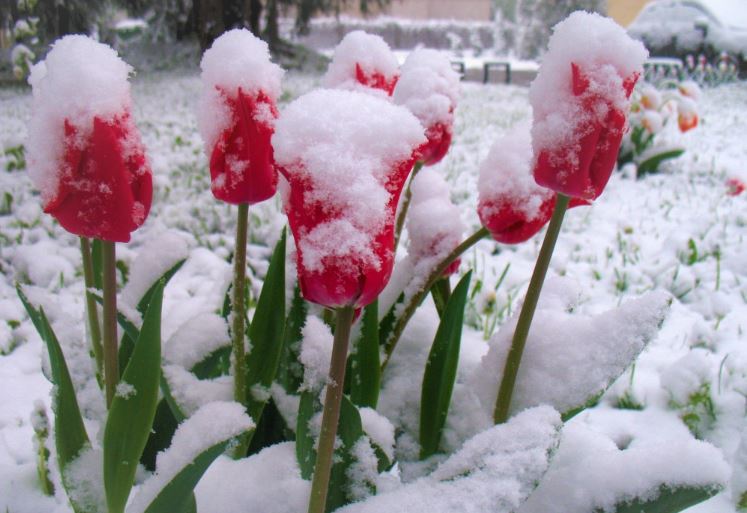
209, 22
272, 33
233, 14
254, 15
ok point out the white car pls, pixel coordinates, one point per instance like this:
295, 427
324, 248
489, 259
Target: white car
676, 28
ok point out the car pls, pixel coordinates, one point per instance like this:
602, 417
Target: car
678, 28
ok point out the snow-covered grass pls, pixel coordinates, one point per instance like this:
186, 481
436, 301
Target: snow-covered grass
678, 232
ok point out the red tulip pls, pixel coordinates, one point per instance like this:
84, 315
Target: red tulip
735, 187
105, 185
242, 169
346, 156
363, 62
582, 167
439, 140
375, 80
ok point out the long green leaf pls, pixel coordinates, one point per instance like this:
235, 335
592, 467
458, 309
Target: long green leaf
305, 452
132, 412
70, 433
290, 370
349, 431
440, 371
142, 305
669, 500
177, 496
365, 368
266, 332
651, 164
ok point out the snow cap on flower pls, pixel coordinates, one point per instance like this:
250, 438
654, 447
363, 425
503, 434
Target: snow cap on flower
346, 156
580, 98
363, 62
85, 153
690, 89
687, 113
429, 88
236, 116
511, 205
650, 97
652, 121
434, 225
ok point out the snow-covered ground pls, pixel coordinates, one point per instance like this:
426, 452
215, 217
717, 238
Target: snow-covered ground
679, 231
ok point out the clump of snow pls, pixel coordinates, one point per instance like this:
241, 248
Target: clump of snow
316, 353
236, 60
343, 149
688, 375
196, 339
570, 357
379, 429
633, 457
429, 87
287, 404
212, 424
268, 482
368, 52
494, 471
191, 393
156, 257
84, 480
363, 470
606, 56
506, 177
125, 390
80, 79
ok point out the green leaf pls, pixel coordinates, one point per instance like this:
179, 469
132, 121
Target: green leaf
290, 370
440, 371
169, 398
349, 431
217, 363
131, 414
652, 163
669, 500
70, 433
266, 332
164, 427
142, 305
305, 452
365, 368
390, 319
177, 496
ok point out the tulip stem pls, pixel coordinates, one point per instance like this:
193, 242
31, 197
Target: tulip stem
331, 414
417, 298
405, 205
111, 359
513, 360
94, 328
238, 309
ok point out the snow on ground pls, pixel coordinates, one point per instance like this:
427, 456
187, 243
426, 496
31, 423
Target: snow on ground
678, 231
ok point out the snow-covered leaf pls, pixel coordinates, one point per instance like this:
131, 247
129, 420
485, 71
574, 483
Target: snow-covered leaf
364, 367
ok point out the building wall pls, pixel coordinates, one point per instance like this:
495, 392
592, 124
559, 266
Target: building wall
624, 11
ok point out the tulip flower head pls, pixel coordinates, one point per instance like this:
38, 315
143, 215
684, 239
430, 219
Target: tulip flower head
650, 97
85, 153
735, 186
363, 62
346, 156
687, 114
580, 99
237, 115
429, 88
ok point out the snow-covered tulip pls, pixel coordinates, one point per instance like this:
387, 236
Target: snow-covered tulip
735, 186
363, 62
687, 113
580, 99
237, 115
346, 156
429, 88
85, 153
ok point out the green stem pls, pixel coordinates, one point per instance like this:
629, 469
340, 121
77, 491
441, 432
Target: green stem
111, 364
405, 205
417, 298
513, 360
331, 415
94, 328
237, 305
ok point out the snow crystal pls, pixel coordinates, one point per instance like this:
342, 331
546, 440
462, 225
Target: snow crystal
80, 79
368, 51
343, 147
379, 429
191, 393
632, 457
210, 425
316, 353
605, 55
429, 87
506, 176
237, 59
570, 357
494, 471
157, 256
84, 480
196, 339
